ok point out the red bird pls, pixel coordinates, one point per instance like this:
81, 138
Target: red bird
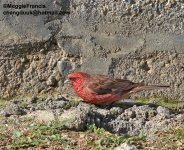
101, 89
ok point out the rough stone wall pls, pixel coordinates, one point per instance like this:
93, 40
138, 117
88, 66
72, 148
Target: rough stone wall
133, 39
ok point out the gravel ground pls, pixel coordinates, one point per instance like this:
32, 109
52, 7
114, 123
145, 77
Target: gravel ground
132, 120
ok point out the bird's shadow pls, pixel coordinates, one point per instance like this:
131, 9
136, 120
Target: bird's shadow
125, 104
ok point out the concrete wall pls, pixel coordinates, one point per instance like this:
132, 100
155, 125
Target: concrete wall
138, 40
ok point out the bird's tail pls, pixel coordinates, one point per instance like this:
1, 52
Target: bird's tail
141, 87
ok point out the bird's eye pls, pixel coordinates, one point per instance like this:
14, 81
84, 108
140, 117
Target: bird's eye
72, 79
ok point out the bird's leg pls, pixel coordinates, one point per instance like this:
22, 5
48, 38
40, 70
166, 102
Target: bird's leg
106, 106
112, 104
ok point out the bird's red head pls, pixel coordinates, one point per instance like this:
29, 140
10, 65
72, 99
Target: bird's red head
77, 77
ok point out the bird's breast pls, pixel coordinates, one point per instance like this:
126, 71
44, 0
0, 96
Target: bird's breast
94, 98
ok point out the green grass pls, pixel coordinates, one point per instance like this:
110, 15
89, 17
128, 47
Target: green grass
168, 139
156, 100
3, 103
36, 134
23, 101
110, 141
161, 101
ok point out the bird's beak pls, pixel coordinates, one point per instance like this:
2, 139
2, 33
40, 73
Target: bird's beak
67, 81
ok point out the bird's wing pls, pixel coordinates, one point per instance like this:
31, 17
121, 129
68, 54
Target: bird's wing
100, 85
